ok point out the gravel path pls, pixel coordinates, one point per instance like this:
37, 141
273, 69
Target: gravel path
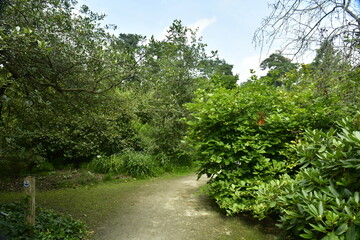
172, 209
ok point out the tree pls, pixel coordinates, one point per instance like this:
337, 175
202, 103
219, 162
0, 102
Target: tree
169, 78
220, 72
56, 70
305, 24
278, 66
44, 45
279, 63
327, 59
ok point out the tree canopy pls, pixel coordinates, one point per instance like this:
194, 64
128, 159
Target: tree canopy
70, 90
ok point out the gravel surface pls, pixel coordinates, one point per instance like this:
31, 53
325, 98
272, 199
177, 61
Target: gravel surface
171, 209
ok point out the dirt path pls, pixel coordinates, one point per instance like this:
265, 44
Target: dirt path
170, 209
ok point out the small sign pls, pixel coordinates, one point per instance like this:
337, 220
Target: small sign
26, 183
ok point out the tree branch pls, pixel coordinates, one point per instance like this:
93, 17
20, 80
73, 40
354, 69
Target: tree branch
351, 13
313, 28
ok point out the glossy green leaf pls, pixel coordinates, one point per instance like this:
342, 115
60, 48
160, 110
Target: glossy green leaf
341, 229
351, 233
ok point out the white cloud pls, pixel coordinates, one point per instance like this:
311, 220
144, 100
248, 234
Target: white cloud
247, 63
202, 24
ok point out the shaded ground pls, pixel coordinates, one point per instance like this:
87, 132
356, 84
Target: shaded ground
171, 209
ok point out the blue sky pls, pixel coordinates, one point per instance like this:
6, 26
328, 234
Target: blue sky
225, 25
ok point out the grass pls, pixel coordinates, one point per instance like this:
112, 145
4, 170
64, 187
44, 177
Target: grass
91, 204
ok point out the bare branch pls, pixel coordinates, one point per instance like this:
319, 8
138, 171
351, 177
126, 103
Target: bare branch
351, 13
305, 24
313, 28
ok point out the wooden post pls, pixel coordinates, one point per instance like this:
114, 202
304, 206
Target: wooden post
29, 188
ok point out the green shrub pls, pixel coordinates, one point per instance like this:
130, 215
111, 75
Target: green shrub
325, 203
107, 164
267, 196
322, 200
139, 164
135, 164
325, 213
241, 138
49, 224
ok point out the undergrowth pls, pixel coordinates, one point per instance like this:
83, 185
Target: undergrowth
50, 225
135, 164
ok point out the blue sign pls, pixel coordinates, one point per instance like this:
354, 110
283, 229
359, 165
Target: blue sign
26, 183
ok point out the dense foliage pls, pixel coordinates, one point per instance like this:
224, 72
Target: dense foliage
54, 67
283, 144
49, 224
242, 137
272, 149
325, 202
70, 91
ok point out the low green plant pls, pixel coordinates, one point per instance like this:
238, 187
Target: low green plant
267, 196
107, 164
135, 164
138, 164
324, 214
49, 224
107, 177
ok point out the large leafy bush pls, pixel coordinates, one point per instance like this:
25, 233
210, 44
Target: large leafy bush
322, 201
241, 136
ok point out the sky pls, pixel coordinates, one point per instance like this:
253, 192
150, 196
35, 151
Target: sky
225, 25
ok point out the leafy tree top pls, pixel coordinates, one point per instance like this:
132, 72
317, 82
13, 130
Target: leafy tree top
278, 62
